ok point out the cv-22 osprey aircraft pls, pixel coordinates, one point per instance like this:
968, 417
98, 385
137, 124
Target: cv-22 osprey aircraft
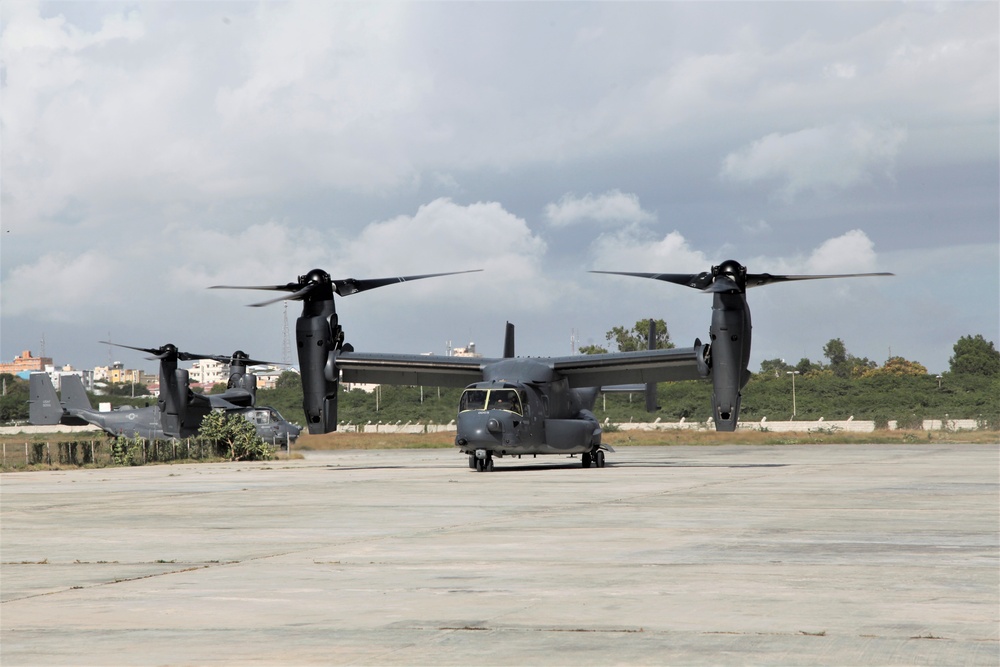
181, 409
537, 405
73, 408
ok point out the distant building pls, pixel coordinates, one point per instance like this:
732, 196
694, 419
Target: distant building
56, 375
267, 376
25, 363
117, 373
469, 351
208, 372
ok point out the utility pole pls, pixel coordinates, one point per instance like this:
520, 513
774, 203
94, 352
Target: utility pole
793, 374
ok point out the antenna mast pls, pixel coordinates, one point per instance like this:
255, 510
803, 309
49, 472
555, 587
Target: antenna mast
286, 348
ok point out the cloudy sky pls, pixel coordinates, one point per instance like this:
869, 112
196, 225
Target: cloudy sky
150, 150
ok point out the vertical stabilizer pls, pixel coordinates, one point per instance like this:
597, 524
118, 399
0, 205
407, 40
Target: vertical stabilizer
651, 386
43, 404
508, 342
73, 394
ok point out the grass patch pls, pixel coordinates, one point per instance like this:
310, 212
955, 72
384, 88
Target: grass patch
336, 441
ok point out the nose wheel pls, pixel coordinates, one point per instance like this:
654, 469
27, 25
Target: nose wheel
483, 463
596, 457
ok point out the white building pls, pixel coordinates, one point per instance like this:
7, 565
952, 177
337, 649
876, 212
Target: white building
208, 372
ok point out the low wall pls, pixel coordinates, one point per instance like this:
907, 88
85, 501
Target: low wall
28, 429
847, 425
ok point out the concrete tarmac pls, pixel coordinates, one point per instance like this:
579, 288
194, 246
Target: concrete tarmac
777, 555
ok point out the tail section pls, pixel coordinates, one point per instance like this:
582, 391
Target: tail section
74, 396
43, 405
651, 405
508, 342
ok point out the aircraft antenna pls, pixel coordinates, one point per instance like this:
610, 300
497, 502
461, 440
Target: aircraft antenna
286, 348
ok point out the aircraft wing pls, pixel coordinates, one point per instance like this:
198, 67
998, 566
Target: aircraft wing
618, 368
234, 397
411, 369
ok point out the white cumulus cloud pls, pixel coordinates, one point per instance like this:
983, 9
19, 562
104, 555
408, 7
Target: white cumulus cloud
60, 286
817, 159
613, 206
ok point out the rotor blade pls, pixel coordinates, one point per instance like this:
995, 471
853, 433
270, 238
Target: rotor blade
288, 287
349, 286
191, 356
295, 296
228, 359
157, 352
695, 280
760, 279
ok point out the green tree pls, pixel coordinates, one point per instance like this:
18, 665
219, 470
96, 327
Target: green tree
288, 380
836, 353
896, 366
844, 364
235, 435
974, 355
126, 389
806, 366
637, 338
14, 401
774, 368
592, 349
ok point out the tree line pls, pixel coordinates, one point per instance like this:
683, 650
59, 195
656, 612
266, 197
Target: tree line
842, 387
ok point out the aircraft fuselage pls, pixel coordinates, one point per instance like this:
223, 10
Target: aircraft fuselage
543, 415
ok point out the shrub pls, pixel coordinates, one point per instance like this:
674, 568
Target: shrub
234, 436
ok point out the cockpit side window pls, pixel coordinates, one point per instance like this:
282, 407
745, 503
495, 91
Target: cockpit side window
505, 399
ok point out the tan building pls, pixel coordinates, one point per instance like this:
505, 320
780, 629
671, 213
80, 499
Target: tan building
117, 373
26, 363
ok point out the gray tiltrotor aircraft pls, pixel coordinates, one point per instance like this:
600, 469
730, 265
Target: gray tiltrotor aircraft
181, 410
516, 406
45, 407
727, 355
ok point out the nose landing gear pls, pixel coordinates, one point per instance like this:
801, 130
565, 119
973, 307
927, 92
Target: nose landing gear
481, 461
596, 457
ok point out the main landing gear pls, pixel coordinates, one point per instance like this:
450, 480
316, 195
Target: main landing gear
481, 461
596, 457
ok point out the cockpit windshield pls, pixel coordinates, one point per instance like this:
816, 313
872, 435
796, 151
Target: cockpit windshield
491, 399
473, 399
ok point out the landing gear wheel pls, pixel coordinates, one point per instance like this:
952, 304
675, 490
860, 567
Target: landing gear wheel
585, 459
480, 465
599, 458
472, 461
489, 465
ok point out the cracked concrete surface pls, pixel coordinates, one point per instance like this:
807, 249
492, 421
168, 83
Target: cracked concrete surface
787, 555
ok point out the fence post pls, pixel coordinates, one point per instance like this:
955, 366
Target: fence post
48, 453
27, 461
